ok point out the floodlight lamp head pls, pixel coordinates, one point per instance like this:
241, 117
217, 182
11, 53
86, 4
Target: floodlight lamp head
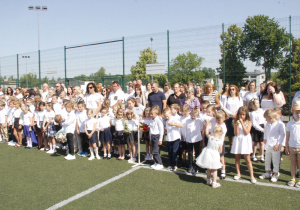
44, 8
37, 7
31, 7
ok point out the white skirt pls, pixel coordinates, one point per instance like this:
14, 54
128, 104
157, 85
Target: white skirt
242, 145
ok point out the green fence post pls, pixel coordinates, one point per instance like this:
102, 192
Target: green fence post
39, 68
18, 80
223, 53
168, 40
65, 61
290, 68
123, 77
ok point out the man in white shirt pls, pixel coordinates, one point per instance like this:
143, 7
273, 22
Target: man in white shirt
140, 83
130, 93
45, 91
116, 96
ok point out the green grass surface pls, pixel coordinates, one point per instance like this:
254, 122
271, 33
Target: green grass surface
31, 179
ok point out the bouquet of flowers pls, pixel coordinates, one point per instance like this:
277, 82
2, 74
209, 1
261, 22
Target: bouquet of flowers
126, 127
144, 126
61, 136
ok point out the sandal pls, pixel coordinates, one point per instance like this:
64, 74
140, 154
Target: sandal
297, 184
291, 183
237, 177
17, 145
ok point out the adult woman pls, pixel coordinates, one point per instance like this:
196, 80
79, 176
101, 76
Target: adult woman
210, 95
271, 97
70, 92
191, 100
224, 94
251, 94
139, 94
93, 99
231, 106
8, 92
78, 95
104, 93
148, 90
199, 91
183, 89
167, 90
19, 93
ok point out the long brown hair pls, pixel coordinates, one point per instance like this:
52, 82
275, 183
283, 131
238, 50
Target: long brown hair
242, 109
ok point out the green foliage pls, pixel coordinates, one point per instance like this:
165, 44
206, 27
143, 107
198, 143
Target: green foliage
139, 70
98, 74
161, 79
263, 42
284, 71
234, 67
186, 68
295, 87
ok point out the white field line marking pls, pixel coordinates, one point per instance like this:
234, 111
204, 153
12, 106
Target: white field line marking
92, 189
232, 180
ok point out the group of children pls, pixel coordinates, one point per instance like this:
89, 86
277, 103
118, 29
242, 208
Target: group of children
187, 132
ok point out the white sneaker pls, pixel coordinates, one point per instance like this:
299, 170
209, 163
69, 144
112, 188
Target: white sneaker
131, 160
91, 158
50, 151
12, 143
98, 157
70, 157
42, 149
134, 159
150, 157
208, 181
153, 166
216, 185
265, 176
274, 178
158, 167
147, 157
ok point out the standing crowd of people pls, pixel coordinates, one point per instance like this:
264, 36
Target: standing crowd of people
193, 121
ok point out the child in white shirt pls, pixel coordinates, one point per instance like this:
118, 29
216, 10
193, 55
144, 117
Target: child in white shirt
183, 145
90, 130
81, 117
105, 134
3, 122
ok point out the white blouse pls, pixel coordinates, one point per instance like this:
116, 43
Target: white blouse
232, 105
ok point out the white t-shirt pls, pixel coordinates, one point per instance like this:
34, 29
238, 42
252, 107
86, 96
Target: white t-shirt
39, 117
119, 123
138, 110
49, 115
294, 128
103, 122
3, 113
57, 108
81, 118
173, 132
114, 97
44, 95
27, 118
92, 100
90, 124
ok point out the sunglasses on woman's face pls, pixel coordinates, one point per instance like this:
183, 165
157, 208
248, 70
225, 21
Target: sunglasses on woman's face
232, 89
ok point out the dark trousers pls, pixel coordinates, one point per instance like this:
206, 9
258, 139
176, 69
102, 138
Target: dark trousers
11, 135
173, 147
70, 143
191, 147
155, 148
83, 141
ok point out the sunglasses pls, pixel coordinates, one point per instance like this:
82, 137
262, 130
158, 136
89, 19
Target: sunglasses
91, 87
232, 89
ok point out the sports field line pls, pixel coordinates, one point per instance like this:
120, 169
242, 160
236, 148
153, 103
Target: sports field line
92, 189
231, 180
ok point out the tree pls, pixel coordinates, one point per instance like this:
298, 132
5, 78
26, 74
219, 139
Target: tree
139, 70
263, 42
186, 68
234, 67
284, 71
98, 74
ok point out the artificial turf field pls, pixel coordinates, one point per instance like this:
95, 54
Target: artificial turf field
32, 179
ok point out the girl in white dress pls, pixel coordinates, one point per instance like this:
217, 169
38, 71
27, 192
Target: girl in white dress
242, 142
210, 155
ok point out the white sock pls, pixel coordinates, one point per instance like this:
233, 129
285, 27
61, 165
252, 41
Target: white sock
30, 141
51, 146
96, 152
223, 171
92, 151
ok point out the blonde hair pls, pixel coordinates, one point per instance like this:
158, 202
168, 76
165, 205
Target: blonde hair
185, 108
156, 110
148, 109
69, 104
88, 111
58, 118
166, 110
212, 108
194, 113
130, 112
218, 130
176, 107
222, 114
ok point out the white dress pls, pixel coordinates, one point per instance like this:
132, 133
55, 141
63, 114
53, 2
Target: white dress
242, 144
210, 156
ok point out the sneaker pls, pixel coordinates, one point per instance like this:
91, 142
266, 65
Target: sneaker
262, 159
191, 169
109, 156
291, 183
265, 176
84, 154
150, 157
79, 154
237, 177
134, 159
146, 157
131, 160
98, 157
216, 185
153, 166
50, 151
158, 167
42, 149
223, 176
208, 181
12, 143
91, 158
254, 159
70, 157
104, 156
169, 168
274, 178
253, 181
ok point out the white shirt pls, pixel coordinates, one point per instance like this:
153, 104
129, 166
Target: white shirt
173, 132
138, 110
157, 127
10, 113
57, 108
274, 134
92, 100
70, 122
133, 125
114, 97
223, 126
103, 122
129, 95
26, 119
39, 117
81, 117
294, 128
248, 96
49, 115
183, 122
3, 113
44, 94
145, 120
119, 124
32, 108
257, 118
193, 128
232, 105
242, 93
19, 96
89, 123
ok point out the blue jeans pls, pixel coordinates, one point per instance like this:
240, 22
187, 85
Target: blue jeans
155, 148
173, 147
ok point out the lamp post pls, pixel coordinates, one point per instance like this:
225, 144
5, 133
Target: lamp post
26, 57
38, 8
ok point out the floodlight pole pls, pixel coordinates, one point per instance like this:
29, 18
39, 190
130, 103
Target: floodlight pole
151, 39
26, 57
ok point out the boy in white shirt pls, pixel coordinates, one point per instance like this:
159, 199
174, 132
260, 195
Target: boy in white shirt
274, 135
3, 122
183, 145
81, 117
173, 126
293, 144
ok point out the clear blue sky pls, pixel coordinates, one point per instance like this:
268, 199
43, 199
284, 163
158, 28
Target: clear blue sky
69, 22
